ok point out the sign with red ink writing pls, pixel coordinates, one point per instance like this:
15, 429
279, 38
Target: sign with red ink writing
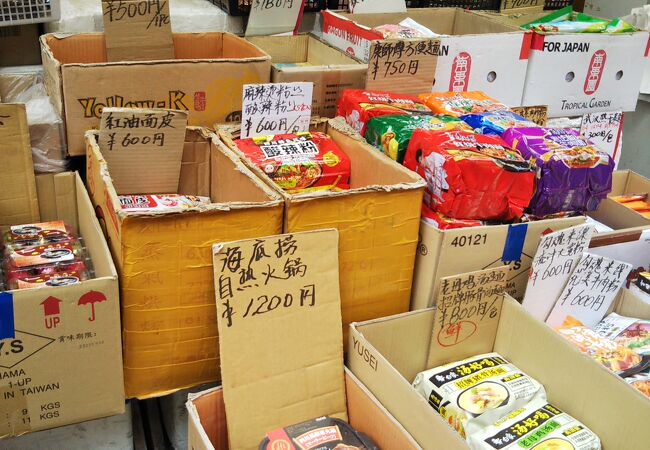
143, 148
275, 108
280, 330
605, 131
556, 258
537, 114
377, 6
468, 308
404, 66
590, 291
274, 17
137, 30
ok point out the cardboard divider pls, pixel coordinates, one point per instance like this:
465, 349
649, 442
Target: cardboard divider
195, 166
616, 215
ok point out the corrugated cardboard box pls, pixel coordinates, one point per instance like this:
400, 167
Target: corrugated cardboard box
386, 354
63, 364
19, 45
468, 58
207, 419
305, 58
615, 215
377, 220
579, 73
165, 263
442, 253
206, 78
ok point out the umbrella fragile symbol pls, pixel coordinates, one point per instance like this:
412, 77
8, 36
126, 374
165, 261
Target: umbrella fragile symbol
91, 298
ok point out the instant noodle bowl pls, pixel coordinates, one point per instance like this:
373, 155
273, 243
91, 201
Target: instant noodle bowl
573, 175
391, 134
497, 122
301, 162
466, 389
537, 425
471, 176
628, 331
359, 106
458, 104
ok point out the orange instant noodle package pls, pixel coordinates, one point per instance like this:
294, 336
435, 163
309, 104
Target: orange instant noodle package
301, 162
461, 103
636, 202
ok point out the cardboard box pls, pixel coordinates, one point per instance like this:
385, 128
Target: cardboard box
207, 419
386, 354
61, 357
19, 45
466, 61
615, 215
329, 69
206, 78
442, 253
165, 262
579, 73
377, 220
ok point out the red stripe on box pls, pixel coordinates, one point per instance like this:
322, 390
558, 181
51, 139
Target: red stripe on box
526, 43
537, 42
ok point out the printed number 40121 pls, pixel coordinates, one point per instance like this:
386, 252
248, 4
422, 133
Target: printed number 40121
471, 240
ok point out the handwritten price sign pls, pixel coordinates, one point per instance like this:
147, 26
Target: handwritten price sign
274, 17
405, 66
605, 130
536, 114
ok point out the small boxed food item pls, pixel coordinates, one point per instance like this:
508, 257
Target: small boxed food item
37, 234
161, 203
574, 175
458, 104
496, 122
471, 176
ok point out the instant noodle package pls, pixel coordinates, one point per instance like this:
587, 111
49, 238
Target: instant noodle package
573, 175
471, 176
496, 122
458, 104
635, 202
301, 162
359, 106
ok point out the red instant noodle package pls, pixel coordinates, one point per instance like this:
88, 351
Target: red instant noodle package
358, 106
471, 176
301, 162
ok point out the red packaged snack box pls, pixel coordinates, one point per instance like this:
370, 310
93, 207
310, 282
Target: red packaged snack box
471, 176
24, 279
358, 106
38, 233
301, 162
43, 254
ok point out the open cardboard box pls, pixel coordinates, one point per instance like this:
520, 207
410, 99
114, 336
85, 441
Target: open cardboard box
377, 219
615, 215
63, 362
207, 419
305, 58
386, 354
466, 60
205, 78
165, 262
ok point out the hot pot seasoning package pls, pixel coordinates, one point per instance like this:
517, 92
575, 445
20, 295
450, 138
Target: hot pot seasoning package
358, 106
471, 176
44, 255
37, 234
535, 426
161, 203
628, 331
496, 122
323, 433
301, 162
573, 175
458, 104
391, 134
466, 389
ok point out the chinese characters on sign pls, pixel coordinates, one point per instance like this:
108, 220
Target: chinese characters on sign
375, 6
605, 131
536, 114
276, 108
269, 17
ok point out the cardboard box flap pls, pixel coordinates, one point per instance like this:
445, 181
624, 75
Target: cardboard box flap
195, 165
630, 305
207, 408
637, 184
300, 49
58, 199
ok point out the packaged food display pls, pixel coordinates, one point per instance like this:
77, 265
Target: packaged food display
463, 390
301, 162
628, 331
641, 382
535, 426
162, 203
392, 31
391, 134
471, 176
37, 233
442, 222
24, 279
573, 175
636, 202
496, 122
359, 106
323, 433
565, 20
42, 254
458, 104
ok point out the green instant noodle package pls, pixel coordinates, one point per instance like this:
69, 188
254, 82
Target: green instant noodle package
567, 21
391, 134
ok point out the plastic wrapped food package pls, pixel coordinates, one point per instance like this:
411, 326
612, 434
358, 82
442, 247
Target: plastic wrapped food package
359, 106
391, 31
636, 202
471, 176
391, 134
574, 175
37, 234
458, 104
565, 20
323, 433
301, 162
161, 203
484, 384
631, 332
535, 426
641, 382
496, 122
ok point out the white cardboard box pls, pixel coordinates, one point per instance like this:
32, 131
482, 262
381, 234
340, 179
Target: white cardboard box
466, 61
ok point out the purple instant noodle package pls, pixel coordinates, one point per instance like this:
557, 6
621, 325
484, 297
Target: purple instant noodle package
573, 175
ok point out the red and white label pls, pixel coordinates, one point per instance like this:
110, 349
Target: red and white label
319, 436
595, 72
460, 71
347, 36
